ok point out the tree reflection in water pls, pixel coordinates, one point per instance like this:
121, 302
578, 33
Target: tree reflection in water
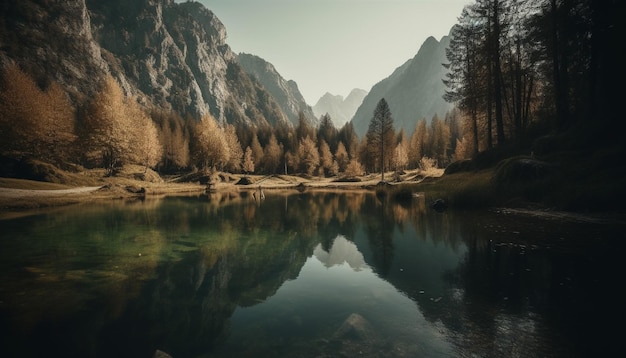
192, 275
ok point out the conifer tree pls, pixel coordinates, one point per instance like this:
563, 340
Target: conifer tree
144, 137
257, 150
248, 161
34, 122
308, 156
272, 155
341, 156
174, 139
326, 159
107, 129
418, 146
381, 136
350, 140
210, 147
327, 132
235, 153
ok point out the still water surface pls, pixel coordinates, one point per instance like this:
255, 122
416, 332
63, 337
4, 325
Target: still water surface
306, 275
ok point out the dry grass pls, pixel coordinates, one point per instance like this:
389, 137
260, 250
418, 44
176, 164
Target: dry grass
30, 184
134, 181
460, 190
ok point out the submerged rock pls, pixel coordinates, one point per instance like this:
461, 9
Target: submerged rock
355, 327
161, 354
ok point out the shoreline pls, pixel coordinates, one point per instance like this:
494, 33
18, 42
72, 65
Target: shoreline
15, 200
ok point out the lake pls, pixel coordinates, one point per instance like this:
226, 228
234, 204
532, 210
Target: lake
322, 274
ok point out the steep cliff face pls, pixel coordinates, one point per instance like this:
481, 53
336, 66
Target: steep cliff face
172, 56
51, 40
340, 110
413, 91
285, 92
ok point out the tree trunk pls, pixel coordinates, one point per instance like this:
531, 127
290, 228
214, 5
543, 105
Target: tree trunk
497, 74
559, 70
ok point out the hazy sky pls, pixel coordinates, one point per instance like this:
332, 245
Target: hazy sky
334, 45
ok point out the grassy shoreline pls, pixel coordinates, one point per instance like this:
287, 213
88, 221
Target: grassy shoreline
135, 182
500, 183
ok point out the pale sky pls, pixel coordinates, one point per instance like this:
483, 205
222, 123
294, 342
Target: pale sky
334, 45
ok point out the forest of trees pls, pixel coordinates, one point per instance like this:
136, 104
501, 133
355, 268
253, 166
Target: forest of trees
112, 129
514, 67
522, 67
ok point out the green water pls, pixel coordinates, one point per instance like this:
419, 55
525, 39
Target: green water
305, 275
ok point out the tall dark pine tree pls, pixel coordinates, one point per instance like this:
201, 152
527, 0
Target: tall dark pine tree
380, 134
466, 70
492, 13
327, 132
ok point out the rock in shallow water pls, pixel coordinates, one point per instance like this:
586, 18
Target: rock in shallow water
161, 354
355, 327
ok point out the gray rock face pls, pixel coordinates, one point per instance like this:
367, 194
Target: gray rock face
33, 35
340, 110
286, 93
413, 91
169, 55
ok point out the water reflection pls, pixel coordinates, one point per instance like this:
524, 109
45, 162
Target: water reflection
306, 274
342, 251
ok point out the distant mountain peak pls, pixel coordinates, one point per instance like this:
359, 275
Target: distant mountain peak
357, 94
340, 110
414, 90
330, 96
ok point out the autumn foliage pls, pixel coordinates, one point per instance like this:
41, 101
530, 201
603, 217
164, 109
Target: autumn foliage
117, 131
34, 122
113, 128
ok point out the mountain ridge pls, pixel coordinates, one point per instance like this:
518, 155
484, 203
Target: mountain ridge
340, 110
286, 92
414, 90
170, 56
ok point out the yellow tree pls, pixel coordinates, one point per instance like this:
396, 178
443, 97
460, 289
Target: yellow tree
272, 155
235, 153
107, 136
210, 147
440, 140
248, 161
144, 136
463, 149
34, 122
354, 168
308, 157
341, 156
55, 128
327, 162
257, 149
401, 156
418, 146
175, 142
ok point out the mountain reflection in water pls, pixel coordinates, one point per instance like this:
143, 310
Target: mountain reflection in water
342, 251
307, 274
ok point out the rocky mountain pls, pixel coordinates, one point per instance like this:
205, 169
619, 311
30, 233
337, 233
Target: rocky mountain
413, 91
170, 55
340, 110
286, 93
